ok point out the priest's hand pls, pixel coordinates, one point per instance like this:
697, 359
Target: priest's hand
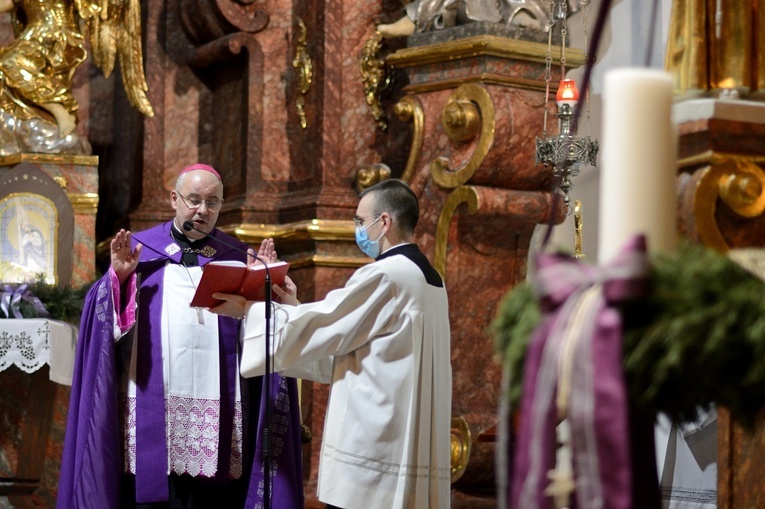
124, 258
266, 252
232, 305
287, 292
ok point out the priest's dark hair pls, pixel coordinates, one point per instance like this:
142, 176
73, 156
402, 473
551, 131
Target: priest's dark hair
396, 198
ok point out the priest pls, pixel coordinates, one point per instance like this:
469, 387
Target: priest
159, 415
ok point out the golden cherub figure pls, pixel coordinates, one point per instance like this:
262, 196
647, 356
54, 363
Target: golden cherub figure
38, 109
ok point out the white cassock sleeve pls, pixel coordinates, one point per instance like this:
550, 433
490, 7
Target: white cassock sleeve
307, 337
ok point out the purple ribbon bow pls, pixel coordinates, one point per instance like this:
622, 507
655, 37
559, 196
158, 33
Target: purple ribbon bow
11, 299
584, 330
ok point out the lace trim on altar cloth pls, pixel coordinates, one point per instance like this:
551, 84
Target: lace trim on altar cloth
23, 346
192, 430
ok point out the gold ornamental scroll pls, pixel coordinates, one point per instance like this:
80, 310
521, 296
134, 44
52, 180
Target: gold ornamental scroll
736, 182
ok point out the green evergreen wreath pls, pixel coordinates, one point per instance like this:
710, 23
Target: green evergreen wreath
696, 339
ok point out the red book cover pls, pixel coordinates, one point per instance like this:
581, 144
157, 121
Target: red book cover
236, 278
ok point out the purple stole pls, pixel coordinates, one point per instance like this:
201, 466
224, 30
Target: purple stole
609, 472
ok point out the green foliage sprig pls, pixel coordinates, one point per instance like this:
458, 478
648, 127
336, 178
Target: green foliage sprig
63, 302
696, 339
518, 316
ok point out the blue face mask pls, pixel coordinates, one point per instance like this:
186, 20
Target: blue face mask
371, 248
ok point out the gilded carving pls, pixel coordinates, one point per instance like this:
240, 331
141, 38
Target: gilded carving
370, 175
61, 181
76, 160
461, 120
84, 203
409, 109
460, 447
376, 77
474, 110
578, 230
459, 196
304, 65
37, 106
739, 182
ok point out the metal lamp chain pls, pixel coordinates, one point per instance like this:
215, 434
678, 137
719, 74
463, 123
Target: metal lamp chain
586, 9
565, 152
548, 65
563, 33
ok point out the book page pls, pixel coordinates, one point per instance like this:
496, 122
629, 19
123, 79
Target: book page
227, 263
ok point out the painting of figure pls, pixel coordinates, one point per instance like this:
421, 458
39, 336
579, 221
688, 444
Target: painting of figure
27, 245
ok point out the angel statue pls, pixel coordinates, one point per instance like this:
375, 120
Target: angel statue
430, 15
38, 110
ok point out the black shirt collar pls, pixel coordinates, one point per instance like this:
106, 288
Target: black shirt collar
188, 259
413, 253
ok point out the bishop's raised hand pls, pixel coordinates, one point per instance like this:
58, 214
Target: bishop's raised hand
124, 257
266, 252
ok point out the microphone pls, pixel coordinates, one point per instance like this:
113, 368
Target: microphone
188, 226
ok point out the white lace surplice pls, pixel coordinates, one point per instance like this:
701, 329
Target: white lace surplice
191, 369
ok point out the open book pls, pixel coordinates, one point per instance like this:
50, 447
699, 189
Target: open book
234, 277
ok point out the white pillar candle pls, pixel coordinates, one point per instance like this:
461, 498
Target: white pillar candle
638, 164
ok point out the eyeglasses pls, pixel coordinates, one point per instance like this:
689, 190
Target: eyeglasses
359, 221
195, 203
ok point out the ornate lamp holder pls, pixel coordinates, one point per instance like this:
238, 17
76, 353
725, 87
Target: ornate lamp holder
566, 152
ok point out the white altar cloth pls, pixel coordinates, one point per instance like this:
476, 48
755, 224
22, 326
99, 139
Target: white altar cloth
687, 462
30, 343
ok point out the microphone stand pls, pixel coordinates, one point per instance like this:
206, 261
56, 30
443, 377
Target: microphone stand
188, 226
267, 390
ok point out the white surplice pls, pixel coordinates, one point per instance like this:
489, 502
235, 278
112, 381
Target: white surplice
191, 369
383, 342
